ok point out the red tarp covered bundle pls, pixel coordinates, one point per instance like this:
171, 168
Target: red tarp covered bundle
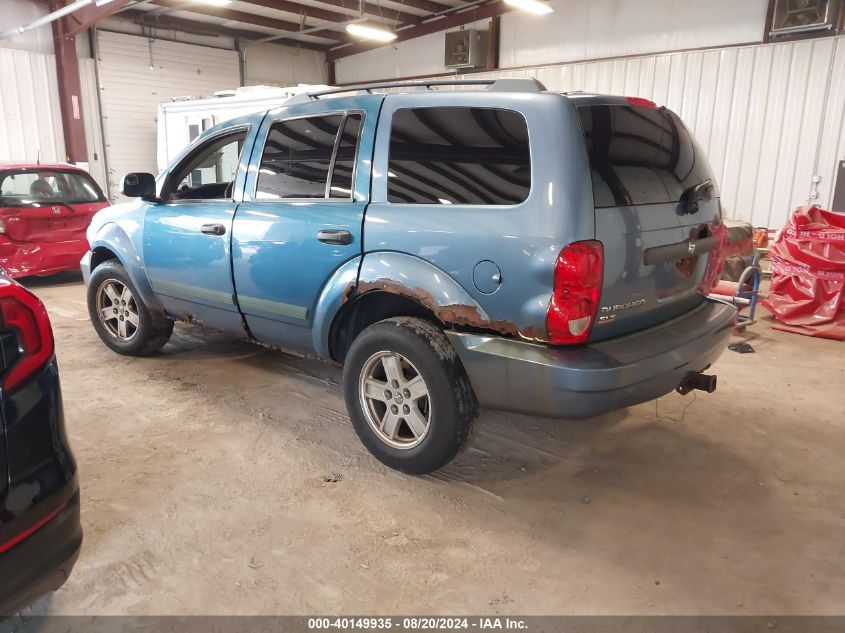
808, 274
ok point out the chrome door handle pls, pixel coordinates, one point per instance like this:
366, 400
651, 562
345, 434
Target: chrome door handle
213, 229
333, 236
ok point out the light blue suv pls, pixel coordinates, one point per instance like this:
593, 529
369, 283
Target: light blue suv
497, 245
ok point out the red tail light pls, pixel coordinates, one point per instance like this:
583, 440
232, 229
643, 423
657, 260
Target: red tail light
577, 288
22, 312
715, 259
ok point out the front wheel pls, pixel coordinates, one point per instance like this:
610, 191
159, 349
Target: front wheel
119, 315
408, 395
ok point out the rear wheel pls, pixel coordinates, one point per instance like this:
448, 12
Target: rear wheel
408, 395
119, 315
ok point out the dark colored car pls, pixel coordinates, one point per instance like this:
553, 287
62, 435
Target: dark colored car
40, 531
44, 212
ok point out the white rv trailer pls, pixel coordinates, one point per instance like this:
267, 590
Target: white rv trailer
181, 120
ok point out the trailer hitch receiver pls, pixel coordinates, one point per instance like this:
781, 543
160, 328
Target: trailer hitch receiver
696, 380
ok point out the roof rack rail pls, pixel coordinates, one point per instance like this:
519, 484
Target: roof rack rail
493, 85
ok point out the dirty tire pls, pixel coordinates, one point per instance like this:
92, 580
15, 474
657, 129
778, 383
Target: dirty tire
152, 332
454, 407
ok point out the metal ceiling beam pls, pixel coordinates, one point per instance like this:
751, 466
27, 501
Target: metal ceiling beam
229, 14
425, 5
209, 29
300, 9
250, 18
439, 23
88, 16
351, 6
246, 17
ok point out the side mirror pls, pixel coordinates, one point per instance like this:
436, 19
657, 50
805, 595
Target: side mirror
138, 185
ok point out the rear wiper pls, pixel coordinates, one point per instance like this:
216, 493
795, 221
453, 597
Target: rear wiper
695, 194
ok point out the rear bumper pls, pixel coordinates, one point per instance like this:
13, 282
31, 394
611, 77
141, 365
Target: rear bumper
581, 382
41, 258
42, 562
40, 530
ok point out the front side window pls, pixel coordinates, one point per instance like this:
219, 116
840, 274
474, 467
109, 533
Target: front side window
44, 186
458, 155
302, 156
209, 172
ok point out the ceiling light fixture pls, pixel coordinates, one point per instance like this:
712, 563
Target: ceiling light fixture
369, 32
531, 6
216, 3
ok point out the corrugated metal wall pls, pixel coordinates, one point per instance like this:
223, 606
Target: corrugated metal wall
30, 121
578, 31
770, 117
136, 74
831, 149
13, 13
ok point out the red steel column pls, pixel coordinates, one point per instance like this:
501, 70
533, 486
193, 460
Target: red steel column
494, 29
70, 90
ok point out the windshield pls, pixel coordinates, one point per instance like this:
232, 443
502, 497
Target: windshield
37, 186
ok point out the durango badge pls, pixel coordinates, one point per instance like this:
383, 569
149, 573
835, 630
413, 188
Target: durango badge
608, 313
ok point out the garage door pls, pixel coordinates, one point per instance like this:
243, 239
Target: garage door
136, 74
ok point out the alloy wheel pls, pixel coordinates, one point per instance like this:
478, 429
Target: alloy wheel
395, 399
117, 310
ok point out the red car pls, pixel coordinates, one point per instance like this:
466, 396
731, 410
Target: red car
44, 211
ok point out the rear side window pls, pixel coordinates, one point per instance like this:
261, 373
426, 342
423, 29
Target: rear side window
301, 156
640, 155
458, 155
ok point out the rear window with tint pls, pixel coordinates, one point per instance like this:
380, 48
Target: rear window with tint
23, 188
458, 155
640, 155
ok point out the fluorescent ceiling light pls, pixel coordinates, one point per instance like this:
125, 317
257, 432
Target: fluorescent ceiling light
369, 32
216, 3
531, 6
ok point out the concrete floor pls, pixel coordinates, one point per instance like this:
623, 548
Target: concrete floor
219, 477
